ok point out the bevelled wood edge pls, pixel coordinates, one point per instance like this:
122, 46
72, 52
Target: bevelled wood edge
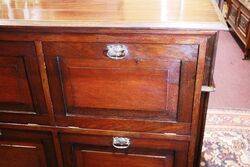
150, 25
57, 129
57, 149
208, 79
104, 30
121, 13
44, 78
196, 105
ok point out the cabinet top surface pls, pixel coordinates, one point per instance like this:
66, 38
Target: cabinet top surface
179, 14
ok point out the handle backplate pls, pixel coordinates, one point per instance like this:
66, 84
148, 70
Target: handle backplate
121, 142
117, 51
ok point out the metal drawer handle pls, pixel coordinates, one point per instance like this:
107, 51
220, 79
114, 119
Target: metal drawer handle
117, 51
121, 142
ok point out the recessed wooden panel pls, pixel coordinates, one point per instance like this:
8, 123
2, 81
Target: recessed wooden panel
134, 89
14, 87
146, 90
22, 98
86, 158
15, 154
94, 151
20, 148
147, 85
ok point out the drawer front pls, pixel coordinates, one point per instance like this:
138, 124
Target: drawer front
26, 148
94, 91
95, 151
243, 24
21, 94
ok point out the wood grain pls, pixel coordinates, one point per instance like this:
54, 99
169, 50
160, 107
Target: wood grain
26, 148
182, 14
152, 96
91, 150
20, 85
144, 86
44, 79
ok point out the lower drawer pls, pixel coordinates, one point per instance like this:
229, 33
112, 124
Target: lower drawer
119, 151
22, 148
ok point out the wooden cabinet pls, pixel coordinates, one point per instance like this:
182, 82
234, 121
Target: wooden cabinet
26, 148
238, 18
145, 85
107, 83
92, 99
21, 94
108, 151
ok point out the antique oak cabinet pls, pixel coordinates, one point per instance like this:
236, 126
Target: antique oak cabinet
238, 17
105, 83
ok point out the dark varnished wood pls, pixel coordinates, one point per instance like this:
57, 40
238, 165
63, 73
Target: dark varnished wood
21, 95
208, 80
19, 148
85, 83
74, 130
98, 151
44, 79
169, 135
62, 100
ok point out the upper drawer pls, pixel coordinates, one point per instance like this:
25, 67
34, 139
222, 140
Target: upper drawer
21, 95
145, 88
134, 50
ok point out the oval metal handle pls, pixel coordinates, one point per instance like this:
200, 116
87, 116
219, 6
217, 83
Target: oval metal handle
117, 51
121, 142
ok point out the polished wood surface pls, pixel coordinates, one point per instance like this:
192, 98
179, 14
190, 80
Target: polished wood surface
84, 83
163, 132
75, 98
21, 92
95, 151
195, 14
22, 148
